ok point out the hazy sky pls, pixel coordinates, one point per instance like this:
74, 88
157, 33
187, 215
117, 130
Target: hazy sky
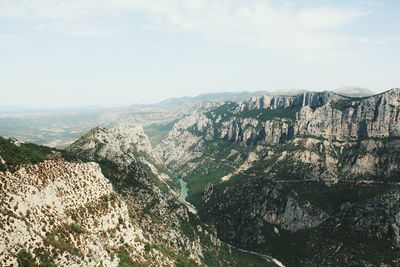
86, 52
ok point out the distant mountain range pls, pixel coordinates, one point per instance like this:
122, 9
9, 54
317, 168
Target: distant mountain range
354, 91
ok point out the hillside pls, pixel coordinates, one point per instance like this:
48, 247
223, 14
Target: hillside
305, 179
82, 207
274, 169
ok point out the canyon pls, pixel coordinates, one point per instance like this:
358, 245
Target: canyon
306, 179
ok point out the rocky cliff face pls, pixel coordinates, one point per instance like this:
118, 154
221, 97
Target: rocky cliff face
182, 145
271, 121
67, 214
311, 179
308, 224
121, 142
98, 204
273, 170
319, 114
150, 200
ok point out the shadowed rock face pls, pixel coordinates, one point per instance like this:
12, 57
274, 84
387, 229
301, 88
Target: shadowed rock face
261, 201
264, 216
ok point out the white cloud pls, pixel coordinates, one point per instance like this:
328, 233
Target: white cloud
257, 23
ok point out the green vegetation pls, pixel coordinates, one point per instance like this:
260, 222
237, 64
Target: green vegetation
212, 167
158, 131
25, 259
345, 104
124, 259
270, 114
45, 259
331, 198
15, 155
60, 239
75, 228
225, 111
180, 260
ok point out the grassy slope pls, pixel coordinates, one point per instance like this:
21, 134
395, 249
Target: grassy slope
15, 155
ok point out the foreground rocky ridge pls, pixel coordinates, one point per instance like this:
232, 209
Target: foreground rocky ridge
68, 214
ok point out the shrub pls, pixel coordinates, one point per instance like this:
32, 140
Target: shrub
25, 259
75, 228
124, 259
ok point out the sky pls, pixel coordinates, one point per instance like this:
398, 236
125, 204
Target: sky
61, 53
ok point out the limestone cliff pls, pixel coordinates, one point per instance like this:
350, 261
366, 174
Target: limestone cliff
265, 122
278, 174
68, 214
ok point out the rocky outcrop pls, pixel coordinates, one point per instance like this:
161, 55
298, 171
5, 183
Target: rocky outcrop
278, 174
240, 212
147, 199
183, 143
124, 145
321, 114
310, 99
98, 205
352, 118
267, 121
67, 214
122, 142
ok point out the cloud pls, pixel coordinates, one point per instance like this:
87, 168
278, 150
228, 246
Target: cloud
256, 23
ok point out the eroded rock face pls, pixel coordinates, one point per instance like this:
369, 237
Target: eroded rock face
124, 145
322, 114
287, 171
121, 142
278, 120
154, 205
68, 214
376, 116
182, 143
311, 99
241, 212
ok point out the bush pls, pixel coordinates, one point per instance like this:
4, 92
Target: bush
124, 259
15, 155
75, 228
147, 247
25, 259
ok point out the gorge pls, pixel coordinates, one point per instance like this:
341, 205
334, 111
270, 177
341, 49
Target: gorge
308, 179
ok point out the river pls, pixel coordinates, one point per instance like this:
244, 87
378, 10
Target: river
183, 195
182, 198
